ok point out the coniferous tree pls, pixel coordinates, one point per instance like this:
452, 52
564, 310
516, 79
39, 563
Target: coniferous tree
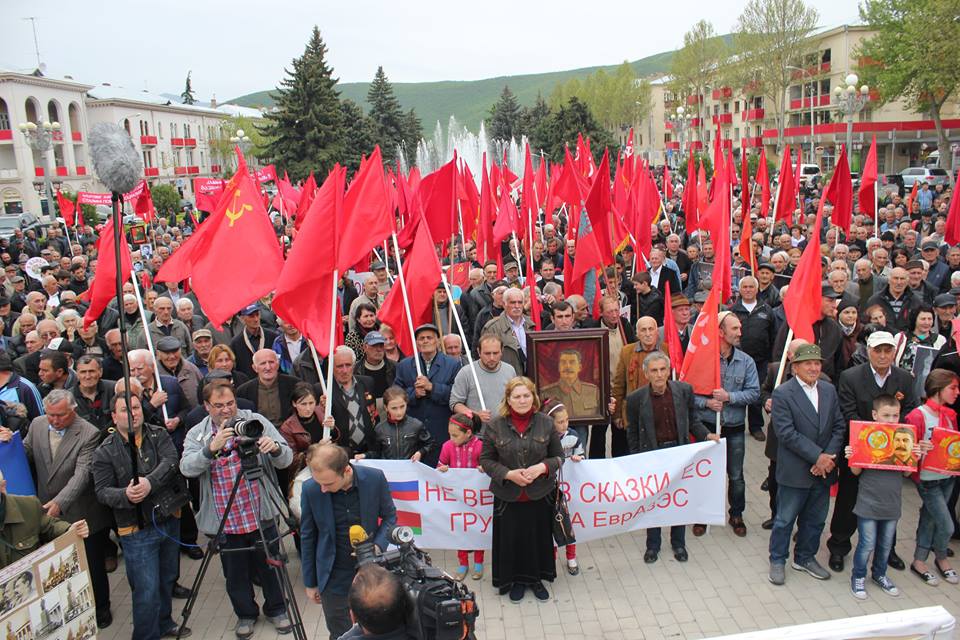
412, 127
187, 95
560, 129
386, 114
305, 131
359, 135
531, 117
504, 120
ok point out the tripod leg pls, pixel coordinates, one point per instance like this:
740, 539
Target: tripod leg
207, 558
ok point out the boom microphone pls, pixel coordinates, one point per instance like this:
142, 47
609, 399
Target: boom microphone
115, 159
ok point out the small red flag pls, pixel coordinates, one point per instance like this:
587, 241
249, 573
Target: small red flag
103, 289
438, 194
674, 346
763, 177
867, 194
787, 192
598, 207
951, 233
67, 209
690, 195
840, 193
667, 184
306, 198
801, 302
701, 364
143, 207
913, 196
367, 217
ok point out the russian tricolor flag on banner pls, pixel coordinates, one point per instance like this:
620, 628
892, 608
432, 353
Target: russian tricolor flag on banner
407, 490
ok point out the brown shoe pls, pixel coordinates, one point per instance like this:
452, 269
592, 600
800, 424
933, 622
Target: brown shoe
111, 564
738, 527
699, 529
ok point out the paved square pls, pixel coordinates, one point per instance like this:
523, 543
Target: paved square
722, 589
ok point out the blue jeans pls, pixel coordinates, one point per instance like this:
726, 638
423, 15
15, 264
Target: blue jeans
736, 487
152, 562
808, 508
875, 536
936, 525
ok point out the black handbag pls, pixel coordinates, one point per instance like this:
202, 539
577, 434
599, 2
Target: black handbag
562, 525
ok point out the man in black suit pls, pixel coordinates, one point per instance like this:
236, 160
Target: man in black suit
353, 413
810, 434
271, 392
662, 276
858, 387
661, 415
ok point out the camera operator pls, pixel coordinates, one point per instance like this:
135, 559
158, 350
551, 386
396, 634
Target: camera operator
208, 454
149, 552
337, 496
378, 606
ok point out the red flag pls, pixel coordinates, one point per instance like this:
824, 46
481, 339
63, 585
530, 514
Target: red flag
763, 178
840, 193
508, 219
469, 204
569, 187
746, 193
438, 194
867, 194
786, 194
288, 195
459, 275
801, 302
731, 168
667, 185
746, 244
103, 289
305, 286
674, 346
67, 209
598, 207
306, 198
690, 204
143, 207
716, 220
913, 196
703, 196
421, 272
951, 233
234, 258
701, 364
367, 217
540, 188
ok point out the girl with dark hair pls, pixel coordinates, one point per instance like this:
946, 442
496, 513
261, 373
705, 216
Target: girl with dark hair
462, 451
935, 527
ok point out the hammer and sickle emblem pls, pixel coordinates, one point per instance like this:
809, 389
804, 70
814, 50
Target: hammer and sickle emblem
234, 213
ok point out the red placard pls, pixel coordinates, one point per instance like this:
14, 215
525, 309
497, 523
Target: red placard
945, 455
882, 445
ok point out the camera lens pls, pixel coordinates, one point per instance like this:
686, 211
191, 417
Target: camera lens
249, 429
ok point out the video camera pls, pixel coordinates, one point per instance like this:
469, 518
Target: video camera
440, 607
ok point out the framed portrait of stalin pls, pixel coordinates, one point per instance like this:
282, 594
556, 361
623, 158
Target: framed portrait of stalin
572, 367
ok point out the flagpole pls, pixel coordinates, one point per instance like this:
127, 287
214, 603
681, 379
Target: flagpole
516, 244
783, 358
316, 363
146, 335
406, 304
386, 261
463, 336
876, 209
328, 407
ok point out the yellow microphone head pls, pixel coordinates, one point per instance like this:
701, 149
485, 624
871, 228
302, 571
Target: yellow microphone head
357, 535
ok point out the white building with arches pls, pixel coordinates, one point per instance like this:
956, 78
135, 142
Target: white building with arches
177, 142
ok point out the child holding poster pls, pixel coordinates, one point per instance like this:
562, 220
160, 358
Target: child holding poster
877, 510
462, 451
941, 388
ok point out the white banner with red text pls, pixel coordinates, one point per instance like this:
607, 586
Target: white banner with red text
679, 485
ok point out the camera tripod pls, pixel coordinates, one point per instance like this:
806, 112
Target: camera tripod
251, 472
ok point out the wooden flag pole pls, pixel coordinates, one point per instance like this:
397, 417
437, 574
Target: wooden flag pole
148, 338
406, 304
783, 358
463, 337
316, 363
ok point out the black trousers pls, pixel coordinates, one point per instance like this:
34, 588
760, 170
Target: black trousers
598, 442
772, 487
239, 567
96, 547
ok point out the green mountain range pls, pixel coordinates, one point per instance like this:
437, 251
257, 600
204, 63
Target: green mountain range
470, 101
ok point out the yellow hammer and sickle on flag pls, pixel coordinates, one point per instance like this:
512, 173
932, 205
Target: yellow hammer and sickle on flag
235, 213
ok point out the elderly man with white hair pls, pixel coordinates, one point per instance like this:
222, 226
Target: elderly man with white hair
186, 314
352, 413
512, 327
162, 325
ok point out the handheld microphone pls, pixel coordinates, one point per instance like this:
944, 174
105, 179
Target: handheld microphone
357, 535
363, 547
115, 159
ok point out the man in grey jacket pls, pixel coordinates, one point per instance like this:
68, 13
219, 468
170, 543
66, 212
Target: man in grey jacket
208, 454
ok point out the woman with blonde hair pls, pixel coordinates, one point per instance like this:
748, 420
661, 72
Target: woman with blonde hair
522, 454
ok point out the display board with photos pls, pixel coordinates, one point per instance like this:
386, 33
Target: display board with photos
882, 445
47, 595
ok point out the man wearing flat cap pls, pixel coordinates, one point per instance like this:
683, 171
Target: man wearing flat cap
172, 363
811, 431
428, 392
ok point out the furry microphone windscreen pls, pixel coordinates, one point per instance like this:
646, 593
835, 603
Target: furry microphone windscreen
115, 159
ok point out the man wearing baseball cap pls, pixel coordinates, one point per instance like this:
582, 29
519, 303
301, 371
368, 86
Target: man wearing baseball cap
857, 388
810, 433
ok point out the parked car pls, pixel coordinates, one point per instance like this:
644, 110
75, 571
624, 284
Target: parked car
23, 221
855, 180
808, 172
931, 175
890, 184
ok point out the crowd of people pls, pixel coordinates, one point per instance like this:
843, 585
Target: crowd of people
466, 399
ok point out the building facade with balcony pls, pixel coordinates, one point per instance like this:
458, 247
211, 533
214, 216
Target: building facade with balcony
176, 142
746, 122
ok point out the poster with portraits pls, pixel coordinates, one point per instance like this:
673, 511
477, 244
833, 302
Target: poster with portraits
882, 445
944, 457
47, 595
572, 367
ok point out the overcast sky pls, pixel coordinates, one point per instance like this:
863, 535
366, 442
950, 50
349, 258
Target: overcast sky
238, 47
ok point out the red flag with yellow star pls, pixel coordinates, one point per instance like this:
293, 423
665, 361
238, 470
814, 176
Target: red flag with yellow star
234, 258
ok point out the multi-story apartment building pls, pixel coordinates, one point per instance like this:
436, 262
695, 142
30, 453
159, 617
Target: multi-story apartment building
746, 122
177, 142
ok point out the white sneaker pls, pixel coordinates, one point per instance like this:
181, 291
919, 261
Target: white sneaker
887, 585
859, 588
572, 567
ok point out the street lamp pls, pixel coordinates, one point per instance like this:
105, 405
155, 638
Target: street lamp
850, 102
40, 138
806, 72
243, 141
680, 121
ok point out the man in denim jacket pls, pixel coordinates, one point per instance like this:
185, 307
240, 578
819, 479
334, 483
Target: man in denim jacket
741, 387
